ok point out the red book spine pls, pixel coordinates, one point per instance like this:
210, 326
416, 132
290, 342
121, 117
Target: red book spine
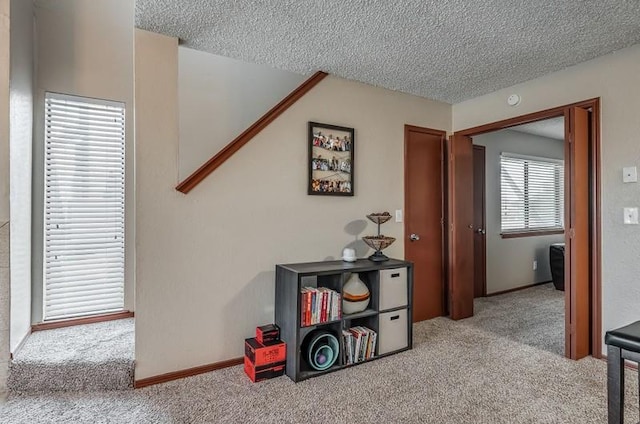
308, 308
324, 306
303, 305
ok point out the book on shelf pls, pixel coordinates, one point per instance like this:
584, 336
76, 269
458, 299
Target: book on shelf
318, 305
314, 311
345, 348
306, 304
357, 335
372, 344
364, 345
323, 306
359, 344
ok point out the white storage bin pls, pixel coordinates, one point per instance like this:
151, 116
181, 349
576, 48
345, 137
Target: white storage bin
392, 331
393, 288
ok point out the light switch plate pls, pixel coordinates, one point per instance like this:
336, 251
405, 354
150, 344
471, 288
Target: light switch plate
630, 174
398, 215
630, 215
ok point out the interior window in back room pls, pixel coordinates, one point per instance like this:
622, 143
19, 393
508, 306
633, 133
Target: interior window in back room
532, 193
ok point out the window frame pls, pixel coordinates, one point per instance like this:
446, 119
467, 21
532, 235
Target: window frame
89, 101
541, 231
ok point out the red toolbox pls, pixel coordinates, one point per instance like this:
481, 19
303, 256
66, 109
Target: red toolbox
264, 354
264, 372
267, 333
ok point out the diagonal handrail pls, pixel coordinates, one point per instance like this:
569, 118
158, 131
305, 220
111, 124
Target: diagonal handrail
201, 173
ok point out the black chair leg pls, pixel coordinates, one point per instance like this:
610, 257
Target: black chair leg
615, 385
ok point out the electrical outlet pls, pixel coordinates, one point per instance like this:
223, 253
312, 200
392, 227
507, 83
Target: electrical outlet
535, 265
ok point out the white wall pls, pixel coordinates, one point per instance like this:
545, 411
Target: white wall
205, 261
614, 78
510, 260
84, 48
21, 127
4, 109
236, 95
4, 191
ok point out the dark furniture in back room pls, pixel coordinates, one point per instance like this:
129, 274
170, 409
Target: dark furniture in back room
556, 262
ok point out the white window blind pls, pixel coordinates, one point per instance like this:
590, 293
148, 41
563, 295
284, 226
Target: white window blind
532, 193
84, 207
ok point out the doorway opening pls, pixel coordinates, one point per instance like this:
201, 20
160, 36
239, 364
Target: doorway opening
582, 305
518, 191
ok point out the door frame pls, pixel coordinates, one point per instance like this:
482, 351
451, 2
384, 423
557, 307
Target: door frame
483, 225
443, 190
595, 222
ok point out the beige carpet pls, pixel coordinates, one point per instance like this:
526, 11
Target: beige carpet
457, 372
84, 357
533, 316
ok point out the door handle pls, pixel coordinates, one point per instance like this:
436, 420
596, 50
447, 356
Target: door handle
481, 231
414, 237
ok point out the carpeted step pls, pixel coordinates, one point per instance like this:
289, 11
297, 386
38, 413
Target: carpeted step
87, 357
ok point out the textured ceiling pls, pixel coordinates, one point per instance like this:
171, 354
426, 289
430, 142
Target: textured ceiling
448, 50
550, 128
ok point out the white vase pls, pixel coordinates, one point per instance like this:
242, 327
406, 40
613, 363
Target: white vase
355, 295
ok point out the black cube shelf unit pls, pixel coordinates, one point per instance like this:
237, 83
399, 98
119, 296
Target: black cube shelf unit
389, 312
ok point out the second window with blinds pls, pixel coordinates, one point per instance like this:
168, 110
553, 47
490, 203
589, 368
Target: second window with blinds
84, 207
532, 194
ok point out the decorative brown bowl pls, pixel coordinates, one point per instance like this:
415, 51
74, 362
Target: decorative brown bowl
378, 242
379, 218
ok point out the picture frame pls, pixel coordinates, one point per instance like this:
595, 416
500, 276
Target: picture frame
331, 160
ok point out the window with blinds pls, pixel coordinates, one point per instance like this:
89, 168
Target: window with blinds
84, 207
532, 193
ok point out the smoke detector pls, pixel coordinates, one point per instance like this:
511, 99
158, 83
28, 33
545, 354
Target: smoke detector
513, 100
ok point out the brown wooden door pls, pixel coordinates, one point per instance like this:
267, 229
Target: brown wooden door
460, 232
577, 255
424, 217
479, 224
